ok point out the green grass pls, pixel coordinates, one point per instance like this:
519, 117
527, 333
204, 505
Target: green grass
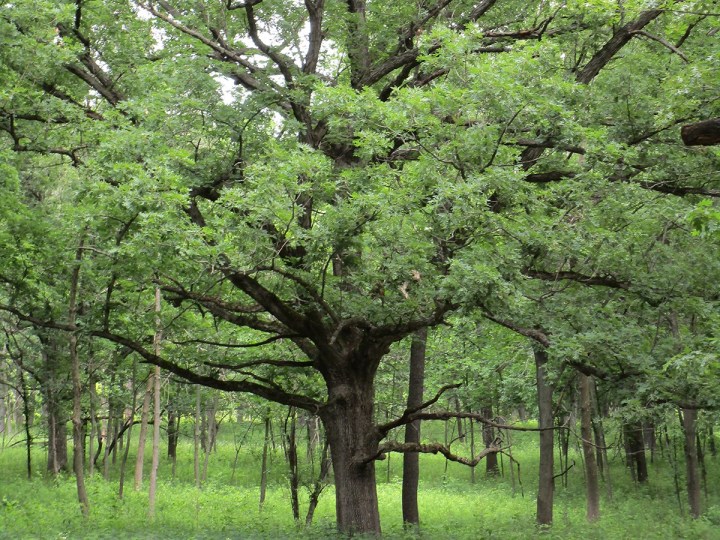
450, 506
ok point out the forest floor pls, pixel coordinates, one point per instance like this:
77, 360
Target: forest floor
451, 505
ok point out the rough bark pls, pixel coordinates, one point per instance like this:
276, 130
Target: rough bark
705, 133
545, 484
689, 417
635, 451
591, 468
57, 450
348, 421
411, 460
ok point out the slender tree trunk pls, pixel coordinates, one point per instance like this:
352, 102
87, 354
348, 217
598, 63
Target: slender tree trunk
140, 458
196, 437
291, 456
545, 484
689, 417
263, 463
319, 483
460, 424
711, 444
471, 429
26, 413
78, 446
123, 461
488, 433
156, 411
94, 432
591, 469
173, 434
411, 460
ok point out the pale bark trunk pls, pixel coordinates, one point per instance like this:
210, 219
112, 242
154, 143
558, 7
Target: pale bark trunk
591, 469
411, 460
546, 467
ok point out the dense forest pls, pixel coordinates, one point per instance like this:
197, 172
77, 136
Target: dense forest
450, 263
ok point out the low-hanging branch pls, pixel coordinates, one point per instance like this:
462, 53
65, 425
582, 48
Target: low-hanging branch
267, 341
433, 448
270, 393
402, 420
268, 362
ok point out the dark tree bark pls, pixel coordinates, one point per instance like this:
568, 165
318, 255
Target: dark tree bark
263, 463
488, 433
173, 434
411, 460
319, 483
711, 443
353, 438
27, 415
591, 469
689, 417
77, 420
291, 455
705, 133
635, 451
545, 484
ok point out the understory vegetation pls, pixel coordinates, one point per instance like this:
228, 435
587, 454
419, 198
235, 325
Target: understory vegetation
451, 505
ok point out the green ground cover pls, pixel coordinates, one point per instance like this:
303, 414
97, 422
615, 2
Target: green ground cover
450, 505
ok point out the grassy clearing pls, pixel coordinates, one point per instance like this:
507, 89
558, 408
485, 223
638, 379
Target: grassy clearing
451, 506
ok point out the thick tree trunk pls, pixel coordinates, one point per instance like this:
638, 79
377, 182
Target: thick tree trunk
591, 469
635, 451
411, 460
57, 436
348, 420
545, 484
705, 133
689, 418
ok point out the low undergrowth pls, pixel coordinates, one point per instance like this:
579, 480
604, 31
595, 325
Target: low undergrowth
451, 506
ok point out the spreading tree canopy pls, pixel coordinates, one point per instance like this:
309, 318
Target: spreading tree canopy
311, 182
